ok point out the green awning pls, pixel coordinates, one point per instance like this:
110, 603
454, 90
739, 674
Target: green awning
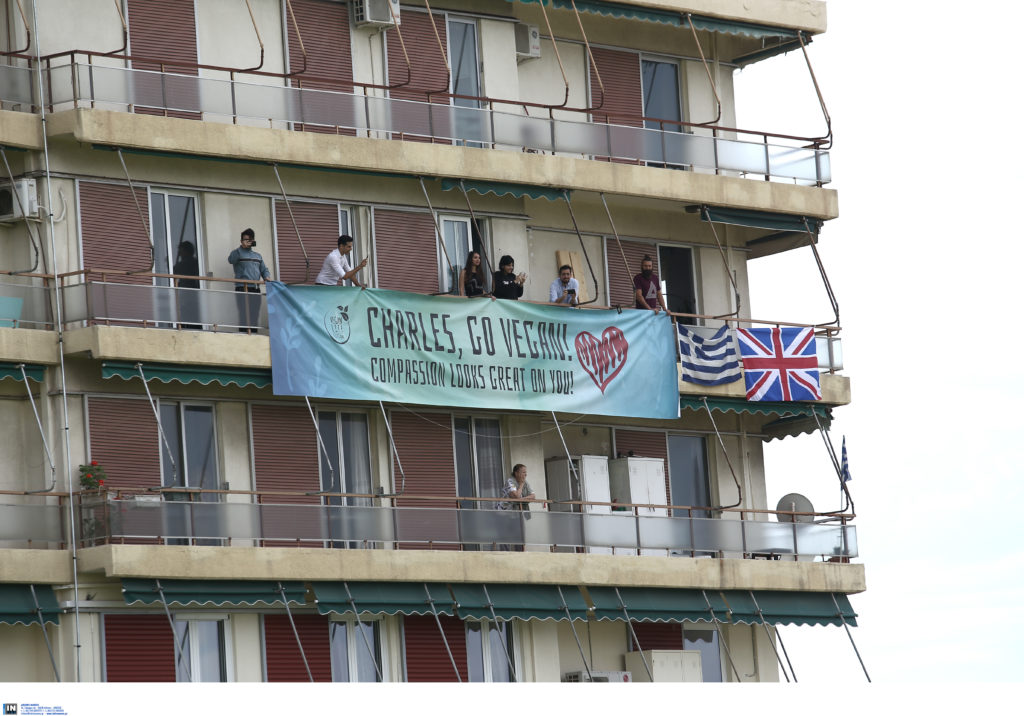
504, 189
12, 371
780, 49
17, 605
215, 593
756, 407
518, 601
746, 29
731, 606
611, 9
389, 598
792, 426
182, 373
760, 219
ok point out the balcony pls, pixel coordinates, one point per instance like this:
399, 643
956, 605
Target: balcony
520, 126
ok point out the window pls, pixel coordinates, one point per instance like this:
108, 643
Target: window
176, 249
203, 656
460, 237
489, 648
661, 96
465, 64
351, 647
678, 280
706, 642
688, 473
188, 459
346, 467
479, 465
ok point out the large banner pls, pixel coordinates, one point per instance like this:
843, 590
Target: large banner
355, 344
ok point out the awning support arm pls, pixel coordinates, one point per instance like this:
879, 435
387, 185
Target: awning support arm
827, 139
725, 260
771, 641
501, 637
568, 456
160, 427
444, 55
177, 641
440, 235
489, 267
593, 276
369, 649
320, 440
142, 217
24, 214
831, 450
42, 434
839, 613
590, 55
295, 225
632, 633
824, 276
440, 628
721, 636
739, 489
42, 624
579, 645
714, 88
618, 241
295, 631
394, 448
558, 57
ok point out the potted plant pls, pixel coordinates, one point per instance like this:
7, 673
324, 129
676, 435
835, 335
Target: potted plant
92, 476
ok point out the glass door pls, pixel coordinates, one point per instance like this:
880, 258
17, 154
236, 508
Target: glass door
176, 250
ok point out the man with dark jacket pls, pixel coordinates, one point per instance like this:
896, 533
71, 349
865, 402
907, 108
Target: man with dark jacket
248, 266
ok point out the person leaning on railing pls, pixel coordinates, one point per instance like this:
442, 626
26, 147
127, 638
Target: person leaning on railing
248, 266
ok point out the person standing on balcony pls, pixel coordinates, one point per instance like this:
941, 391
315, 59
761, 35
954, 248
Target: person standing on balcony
517, 488
248, 266
506, 283
565, 289
471, 278
647, 287
337, 268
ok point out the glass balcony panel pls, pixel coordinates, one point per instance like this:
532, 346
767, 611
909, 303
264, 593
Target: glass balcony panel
609, 530
293, 523
36, 523
521, 131
689, 150
769, 537
741, 156
582, 138
425, 524
330, 109
16, 87
24, 306
665, 533
491, 526
470, 124
826, 361
554, 528
626, 142
358, 524
793, 162
813, 539
712, 535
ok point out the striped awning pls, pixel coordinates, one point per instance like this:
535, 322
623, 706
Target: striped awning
503, 189
760, 219
389, 598
13, 371
212, 593
184, 374
26, 603
518, 601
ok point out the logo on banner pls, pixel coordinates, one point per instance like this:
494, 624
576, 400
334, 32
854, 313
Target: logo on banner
602, 359
337, 325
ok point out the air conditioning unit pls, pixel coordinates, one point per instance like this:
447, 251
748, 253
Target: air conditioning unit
527, 40
613, 677
10, 206
375, 13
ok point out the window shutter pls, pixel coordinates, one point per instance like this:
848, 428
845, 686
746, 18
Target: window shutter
645, 443
125, 440
426, 659
406, 251
138, 647
658, 635
429, 70
113, 235
326, 36
620, 280
319, 227
283, 658
424, 444
623, 89
164, 32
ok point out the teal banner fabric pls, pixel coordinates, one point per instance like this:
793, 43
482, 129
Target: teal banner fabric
350, 343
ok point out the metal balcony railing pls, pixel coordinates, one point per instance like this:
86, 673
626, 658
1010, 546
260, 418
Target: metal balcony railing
675, 144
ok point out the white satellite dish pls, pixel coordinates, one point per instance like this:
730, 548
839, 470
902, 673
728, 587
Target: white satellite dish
794, 502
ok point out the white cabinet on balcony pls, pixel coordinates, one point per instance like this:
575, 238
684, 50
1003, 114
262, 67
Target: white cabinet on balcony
666, 665
584, 479
639, 481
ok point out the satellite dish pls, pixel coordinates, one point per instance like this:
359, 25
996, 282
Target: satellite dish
794, 502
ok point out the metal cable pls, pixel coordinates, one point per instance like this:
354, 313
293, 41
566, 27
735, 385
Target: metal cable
771, 641
593, 276
394, 448
632, 632
572, 463
488, 266
839, 613
721, 636
579, 645
739, 490
320, 440
177, 642
437, 227
295, 631
617, 240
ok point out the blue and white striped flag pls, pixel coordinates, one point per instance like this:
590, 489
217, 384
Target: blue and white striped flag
845, 468
708, 356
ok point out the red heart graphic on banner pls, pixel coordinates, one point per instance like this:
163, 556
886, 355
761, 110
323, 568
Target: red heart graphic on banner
604, 358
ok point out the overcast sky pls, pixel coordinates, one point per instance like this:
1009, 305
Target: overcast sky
925, 258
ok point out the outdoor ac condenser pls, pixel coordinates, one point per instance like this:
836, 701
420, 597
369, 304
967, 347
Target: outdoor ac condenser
375, 13
613, 677
18, 200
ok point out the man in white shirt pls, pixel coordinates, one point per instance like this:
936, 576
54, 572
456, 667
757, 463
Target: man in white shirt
565, 288
337, 268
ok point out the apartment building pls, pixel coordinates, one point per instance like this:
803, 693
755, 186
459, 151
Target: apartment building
245, 532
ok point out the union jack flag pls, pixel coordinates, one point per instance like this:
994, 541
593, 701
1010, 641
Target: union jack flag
779, 363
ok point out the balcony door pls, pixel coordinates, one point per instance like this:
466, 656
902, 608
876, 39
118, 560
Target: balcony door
189, 459
464, 59
688, 473
176, 248
460, 238
344, 468
663, 105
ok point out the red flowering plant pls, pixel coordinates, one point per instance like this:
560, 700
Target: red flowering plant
92, 476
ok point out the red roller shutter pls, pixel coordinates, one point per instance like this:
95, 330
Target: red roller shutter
113, 234
658, 635
645, 444
426, 659
406, 251
429, 69
326, 36
124, 439
620, 281
424, 445
623, 90
285, 454
319, 228
283, 658
165, 32
138, 647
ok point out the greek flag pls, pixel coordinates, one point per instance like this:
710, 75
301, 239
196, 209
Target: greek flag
707, 355
845, 464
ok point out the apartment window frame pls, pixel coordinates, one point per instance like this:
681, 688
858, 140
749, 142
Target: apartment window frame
680, 88
355, 648
182, 459
342, 449
707, 486
194, 648
492, 656
476, 239
474, 466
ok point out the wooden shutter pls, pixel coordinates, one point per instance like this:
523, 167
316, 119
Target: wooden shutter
429, 71
165, 32
620, 278
623, 89
124, 439
319, 228
114, 236
424, 445
426, 659
406, 251
645, 443
283, 658
658, 635
285, 454
138, 647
